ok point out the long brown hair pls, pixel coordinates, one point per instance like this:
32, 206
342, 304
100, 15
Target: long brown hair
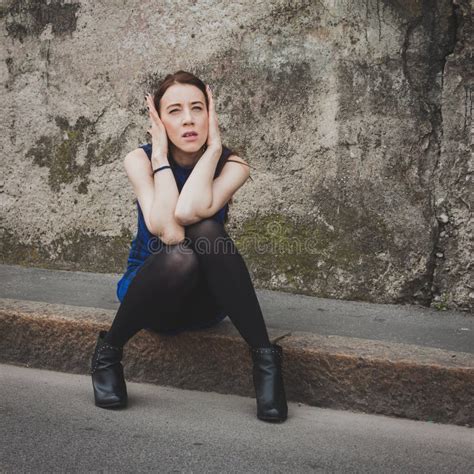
184, 77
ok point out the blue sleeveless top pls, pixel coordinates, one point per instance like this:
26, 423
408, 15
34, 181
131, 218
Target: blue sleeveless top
145, 242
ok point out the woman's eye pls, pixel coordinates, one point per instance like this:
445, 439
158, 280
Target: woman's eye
176, 110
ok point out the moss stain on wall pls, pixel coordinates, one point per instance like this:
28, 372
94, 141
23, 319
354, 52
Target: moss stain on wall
61, 154
29, 18
303, 256
81, 250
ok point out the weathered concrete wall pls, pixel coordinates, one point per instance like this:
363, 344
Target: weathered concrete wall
356, 116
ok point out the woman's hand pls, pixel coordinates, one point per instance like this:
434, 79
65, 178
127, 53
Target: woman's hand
157, 130
213, 136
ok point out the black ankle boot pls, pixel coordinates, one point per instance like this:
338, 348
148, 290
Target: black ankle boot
268, 382
108, 380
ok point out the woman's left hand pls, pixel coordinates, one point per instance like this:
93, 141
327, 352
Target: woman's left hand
213, 136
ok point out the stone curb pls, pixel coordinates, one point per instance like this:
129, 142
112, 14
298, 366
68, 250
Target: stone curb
379, 377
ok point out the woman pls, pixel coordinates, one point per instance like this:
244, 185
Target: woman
184, 271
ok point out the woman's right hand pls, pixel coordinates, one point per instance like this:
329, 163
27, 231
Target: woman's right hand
157, 130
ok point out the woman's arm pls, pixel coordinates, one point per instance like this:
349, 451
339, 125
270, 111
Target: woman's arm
217, 191
157, 195
196, 194
164, 202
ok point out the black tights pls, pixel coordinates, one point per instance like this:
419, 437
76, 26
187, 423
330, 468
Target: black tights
184, 282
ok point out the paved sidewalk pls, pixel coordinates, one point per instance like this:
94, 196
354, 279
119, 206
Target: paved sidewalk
448, 330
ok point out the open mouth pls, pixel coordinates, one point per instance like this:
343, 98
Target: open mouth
190, 136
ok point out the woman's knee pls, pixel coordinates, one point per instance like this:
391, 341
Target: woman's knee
208, 227
174, 266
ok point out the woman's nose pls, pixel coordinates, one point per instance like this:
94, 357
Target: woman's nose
187, 115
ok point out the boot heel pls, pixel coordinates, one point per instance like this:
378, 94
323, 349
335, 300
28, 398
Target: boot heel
108, 382
268, 382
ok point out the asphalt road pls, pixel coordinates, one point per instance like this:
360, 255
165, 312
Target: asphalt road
50, 424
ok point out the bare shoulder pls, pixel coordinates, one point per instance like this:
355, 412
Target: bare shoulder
136, 159
237, 159
136, 154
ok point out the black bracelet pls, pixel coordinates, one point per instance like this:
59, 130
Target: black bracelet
161, 168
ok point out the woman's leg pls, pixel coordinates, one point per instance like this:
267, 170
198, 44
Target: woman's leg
156, 294
228, 279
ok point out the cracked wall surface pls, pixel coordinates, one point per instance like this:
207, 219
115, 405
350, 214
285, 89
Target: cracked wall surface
356, 117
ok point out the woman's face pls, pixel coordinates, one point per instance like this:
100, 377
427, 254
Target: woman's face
183, 109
